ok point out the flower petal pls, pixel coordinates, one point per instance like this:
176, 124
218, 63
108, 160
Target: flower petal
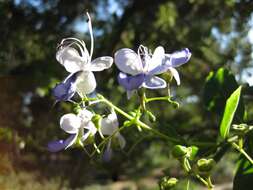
91, 128
71, 140
128, 61
85, 136
175, 74
109, 124
157, 59
57, 145
85, 115
70, 59
107, 156
86, 82
122, 141
65, 90
101, 63
153, 82
70, 123
178, 58
130, 82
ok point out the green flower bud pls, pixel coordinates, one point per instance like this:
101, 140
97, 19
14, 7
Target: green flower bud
240, 129
167, 183
77, 108
179, 151
205, 165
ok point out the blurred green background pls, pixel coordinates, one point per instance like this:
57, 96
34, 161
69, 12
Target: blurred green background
218, 33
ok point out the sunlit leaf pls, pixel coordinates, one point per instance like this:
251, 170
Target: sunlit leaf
230, 109
218, 87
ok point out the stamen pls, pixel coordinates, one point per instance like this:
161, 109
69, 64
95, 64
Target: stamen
91, 35
68, 42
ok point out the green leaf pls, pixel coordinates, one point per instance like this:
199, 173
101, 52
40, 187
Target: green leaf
219, 86
230, 109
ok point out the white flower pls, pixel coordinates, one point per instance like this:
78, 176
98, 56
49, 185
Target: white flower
78, 124
110, 125
74, 56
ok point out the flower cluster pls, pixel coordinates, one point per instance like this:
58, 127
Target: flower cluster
137, 70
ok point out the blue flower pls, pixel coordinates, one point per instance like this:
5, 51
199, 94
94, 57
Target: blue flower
74, 56
139, 69
65, 90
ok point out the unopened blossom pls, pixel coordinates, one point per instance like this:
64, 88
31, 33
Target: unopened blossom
139, 69
109, 127
74, 56
76, 126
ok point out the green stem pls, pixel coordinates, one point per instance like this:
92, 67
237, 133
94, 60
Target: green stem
202, 180
143, 101
145, 126
164, 98
237, 147
188, 184
240, 142
115, 107
210, 184
105, 140
186, 165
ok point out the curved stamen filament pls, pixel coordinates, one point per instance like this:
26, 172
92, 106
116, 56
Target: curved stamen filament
76, 40
142, 50
80, 44
91, 35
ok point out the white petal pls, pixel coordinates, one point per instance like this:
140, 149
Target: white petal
86, 82
154, 82
128, 61
108, 152
175, 74
85, 115
85, 136
70, 59
109, 124
157, 59
72, 142
70, 123
101, 63
122, 141
91, 128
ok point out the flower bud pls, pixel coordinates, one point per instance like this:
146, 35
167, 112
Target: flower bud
77, 108
241, 129
167, 183
205, 165
179, 151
